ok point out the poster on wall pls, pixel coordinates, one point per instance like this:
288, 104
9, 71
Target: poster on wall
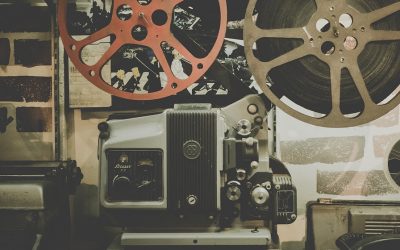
83, 94
137, 69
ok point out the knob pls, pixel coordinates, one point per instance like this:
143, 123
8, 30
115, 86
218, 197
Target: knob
241, 174
233, 191
244, 127
260, 196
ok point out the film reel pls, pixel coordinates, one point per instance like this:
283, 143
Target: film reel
148, 24
329, 63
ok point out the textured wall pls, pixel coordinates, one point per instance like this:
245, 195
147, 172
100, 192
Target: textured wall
26, 83
338, 163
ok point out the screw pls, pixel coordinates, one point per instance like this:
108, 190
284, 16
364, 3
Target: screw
342, 59
254, 165
142, 15
277, 187
267, 185
192, 200
293, 217
258, 120
252, 109
336, 33
250, 141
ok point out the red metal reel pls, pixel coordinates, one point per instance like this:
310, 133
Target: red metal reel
156, 35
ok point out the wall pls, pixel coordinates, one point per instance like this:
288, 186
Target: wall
26, 83
336, 163
330, 163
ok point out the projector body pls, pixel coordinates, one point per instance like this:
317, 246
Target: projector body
194, 175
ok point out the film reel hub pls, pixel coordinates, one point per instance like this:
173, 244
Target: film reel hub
329, 49
142, 23
339, 33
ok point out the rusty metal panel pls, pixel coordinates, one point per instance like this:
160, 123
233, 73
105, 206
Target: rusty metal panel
37, 119
24, 18
31, 52
25, 89
4, 51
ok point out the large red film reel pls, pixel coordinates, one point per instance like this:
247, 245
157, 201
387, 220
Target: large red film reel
156, 35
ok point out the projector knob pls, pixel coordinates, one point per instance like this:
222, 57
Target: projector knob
260, 196
233, 192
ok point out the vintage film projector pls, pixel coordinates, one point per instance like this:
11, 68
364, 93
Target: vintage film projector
197, 175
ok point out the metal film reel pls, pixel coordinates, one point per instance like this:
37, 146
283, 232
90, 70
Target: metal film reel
154, 18
331, 63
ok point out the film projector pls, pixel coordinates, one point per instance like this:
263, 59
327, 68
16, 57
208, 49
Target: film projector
198, 175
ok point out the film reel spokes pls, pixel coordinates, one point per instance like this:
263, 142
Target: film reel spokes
140, 23
336, 34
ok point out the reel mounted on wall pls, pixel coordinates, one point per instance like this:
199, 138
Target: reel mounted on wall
140, 23
328, 63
